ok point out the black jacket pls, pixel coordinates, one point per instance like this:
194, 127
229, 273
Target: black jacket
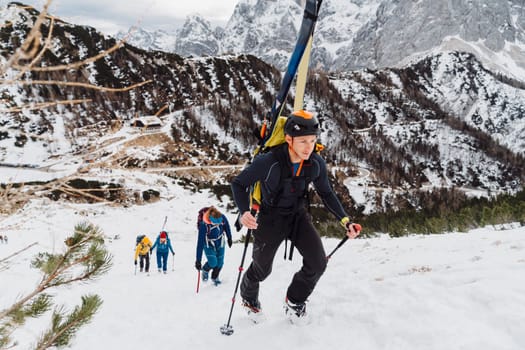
279, 189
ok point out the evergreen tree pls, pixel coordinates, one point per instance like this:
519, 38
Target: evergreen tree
85, 258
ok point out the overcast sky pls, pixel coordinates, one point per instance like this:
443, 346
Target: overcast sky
109, 16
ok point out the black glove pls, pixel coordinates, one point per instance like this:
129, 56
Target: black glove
198, 265
135, 262
230, 242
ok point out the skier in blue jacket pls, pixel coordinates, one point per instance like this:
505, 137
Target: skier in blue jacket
211, 240
163, 245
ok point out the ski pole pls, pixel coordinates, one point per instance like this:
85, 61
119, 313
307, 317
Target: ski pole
173, 262
227, 329
198, 280
164, 224
357, 228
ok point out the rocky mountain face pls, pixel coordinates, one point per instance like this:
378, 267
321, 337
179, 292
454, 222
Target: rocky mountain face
157, 40
443, 121
401, 29
267, 29
356, 34
197, 38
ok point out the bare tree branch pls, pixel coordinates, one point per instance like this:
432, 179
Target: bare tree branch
74, 83
18, 252
161, 110
77, 64
29, 50
28, 67
31, 43
41, 105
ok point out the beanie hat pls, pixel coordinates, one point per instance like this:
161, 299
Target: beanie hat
163, 235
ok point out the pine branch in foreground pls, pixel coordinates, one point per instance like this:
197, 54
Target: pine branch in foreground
85, 258
64, 326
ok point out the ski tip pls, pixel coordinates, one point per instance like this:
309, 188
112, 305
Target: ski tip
227, 330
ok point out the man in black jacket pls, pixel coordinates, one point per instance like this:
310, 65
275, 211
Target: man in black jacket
284, 175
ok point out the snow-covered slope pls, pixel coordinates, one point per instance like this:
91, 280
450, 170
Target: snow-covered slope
428, 292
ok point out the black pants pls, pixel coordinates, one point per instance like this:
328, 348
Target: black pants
215, 271
144, 259
272, 229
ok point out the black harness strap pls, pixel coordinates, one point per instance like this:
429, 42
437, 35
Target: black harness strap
280, 154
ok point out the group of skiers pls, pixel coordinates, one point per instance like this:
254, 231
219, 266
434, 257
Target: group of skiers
145, 248
214, 231
284, 175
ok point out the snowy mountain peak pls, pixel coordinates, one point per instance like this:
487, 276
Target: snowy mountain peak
355, 34
158, 40
266, 29
197, 38
487, 29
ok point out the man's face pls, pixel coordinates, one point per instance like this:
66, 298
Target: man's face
302, 146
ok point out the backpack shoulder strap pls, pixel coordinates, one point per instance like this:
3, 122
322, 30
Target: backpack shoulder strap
279, 152
281, 155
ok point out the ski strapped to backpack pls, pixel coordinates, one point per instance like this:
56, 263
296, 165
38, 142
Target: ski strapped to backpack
297, 66
276, 123
311, 12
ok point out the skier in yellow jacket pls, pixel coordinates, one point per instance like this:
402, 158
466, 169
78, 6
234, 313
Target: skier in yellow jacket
143, 250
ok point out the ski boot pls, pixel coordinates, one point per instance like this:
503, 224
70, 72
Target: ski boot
253, 309
296, 312
204, 275
216, 281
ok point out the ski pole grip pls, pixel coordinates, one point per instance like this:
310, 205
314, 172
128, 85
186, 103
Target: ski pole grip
345, 222
254, 209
